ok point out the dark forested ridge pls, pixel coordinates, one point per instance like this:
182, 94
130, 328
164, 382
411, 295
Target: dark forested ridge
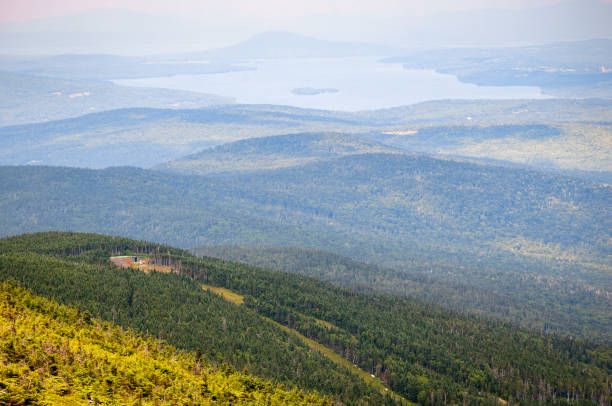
538, 244
421, 352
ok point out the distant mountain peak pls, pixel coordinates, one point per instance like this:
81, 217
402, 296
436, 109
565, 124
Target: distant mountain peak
283, 44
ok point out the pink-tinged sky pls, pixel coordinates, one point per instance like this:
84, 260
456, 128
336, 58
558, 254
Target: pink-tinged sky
22, 10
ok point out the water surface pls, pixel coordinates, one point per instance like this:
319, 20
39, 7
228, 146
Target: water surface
362, 83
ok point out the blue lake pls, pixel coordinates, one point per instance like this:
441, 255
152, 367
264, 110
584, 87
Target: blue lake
362, 84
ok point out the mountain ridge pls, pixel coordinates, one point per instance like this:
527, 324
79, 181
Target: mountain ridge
283, 44
282, 151
569, 132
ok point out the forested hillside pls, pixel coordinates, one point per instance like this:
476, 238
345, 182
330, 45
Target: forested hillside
74, 269
381, 219
422, 353
564, 146
54, 354
583, 314
538, 244
281, 151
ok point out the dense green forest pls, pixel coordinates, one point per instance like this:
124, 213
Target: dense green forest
170, 307
535, 243
58, 355
423, 353
579, 313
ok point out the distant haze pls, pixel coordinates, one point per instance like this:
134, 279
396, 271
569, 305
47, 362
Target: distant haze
22, 10
155, 26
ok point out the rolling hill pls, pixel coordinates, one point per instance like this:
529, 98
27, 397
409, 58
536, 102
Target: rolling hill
265, 153
145, 137
585, 147
554, 135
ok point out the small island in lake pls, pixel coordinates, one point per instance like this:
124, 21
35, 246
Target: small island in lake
311, 91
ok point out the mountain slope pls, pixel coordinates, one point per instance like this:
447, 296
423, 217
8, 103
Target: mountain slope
538, 244
272, 153
75, 270
389, 196
418, 283
421, 352
56, 354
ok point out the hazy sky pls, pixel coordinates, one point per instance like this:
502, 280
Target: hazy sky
134, 27
22, 10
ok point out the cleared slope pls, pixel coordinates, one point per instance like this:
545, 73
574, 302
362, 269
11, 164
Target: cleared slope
238, 299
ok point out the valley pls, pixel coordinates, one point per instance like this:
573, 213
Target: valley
375, 203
